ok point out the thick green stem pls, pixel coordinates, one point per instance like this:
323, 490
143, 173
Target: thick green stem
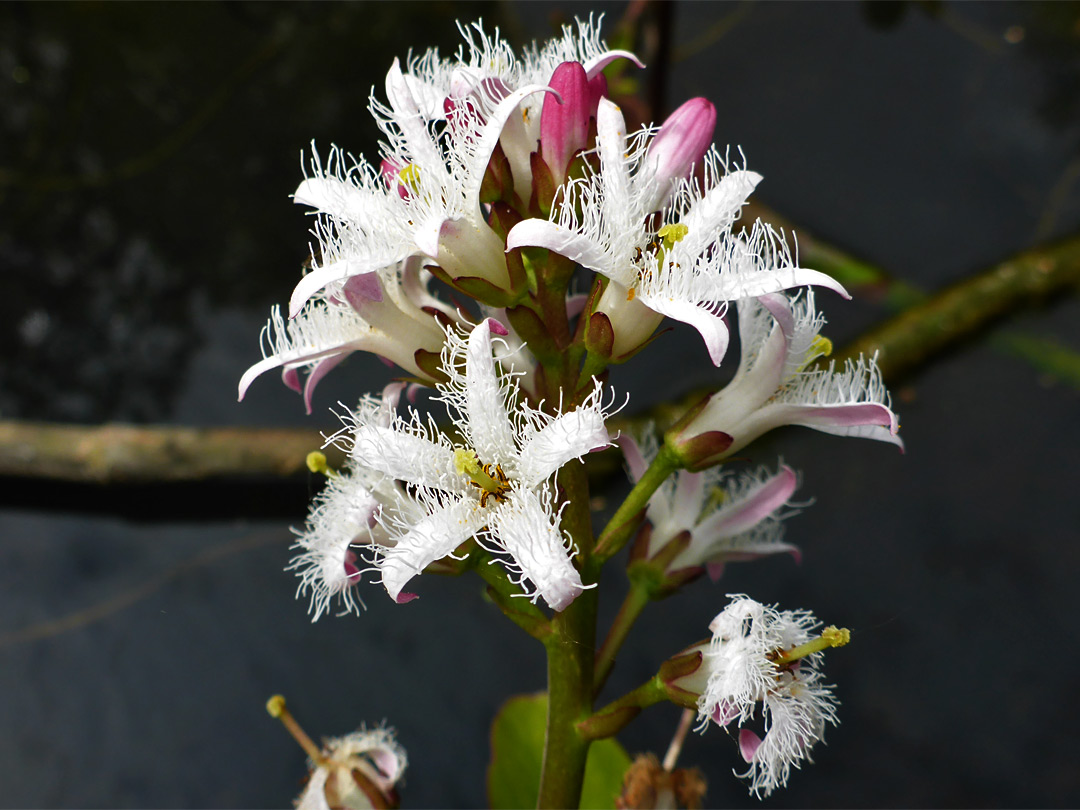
570, 675
630, 514
570, 649
635, 602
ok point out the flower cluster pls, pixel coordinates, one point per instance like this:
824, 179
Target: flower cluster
506, 182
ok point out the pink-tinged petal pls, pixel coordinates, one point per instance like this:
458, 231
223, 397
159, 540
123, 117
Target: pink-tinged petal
715, 571
318, 278
711, 326
568, 436
361, 289
749, 742
634, 458
864, 420
491, 431
404, 598
724, 713
564, 119
291, 378
497, 327
779, 306
431, 539
316, 374
601, 61
753, 507
294, 358
526, 530
571, 244
688, 497
575, 304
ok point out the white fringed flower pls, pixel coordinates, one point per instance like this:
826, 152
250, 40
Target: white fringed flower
494, 486
685, 264
746, 672
388, 313
728, 518
344, 520
772, 387
359, 770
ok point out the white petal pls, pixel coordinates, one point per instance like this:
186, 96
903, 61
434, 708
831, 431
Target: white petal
429, 540
489, 425
573, 245
526, 529
406, 457
711, 326
566, 437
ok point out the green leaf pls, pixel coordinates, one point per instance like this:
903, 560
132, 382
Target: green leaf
517, 748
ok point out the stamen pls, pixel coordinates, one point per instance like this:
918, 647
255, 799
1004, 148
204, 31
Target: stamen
275, 706
831, 636
410, 176
316, 462
490, 482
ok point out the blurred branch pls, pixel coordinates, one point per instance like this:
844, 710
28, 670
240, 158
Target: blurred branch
911, 338
111, 454
115, 454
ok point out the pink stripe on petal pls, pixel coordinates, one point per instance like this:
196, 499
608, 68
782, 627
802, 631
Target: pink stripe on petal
742, 515
361, 289
632, 453
291, 378
317, 373
749, 742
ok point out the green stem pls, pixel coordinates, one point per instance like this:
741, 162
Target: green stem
611, 719
570, 649
632, 606
630, 514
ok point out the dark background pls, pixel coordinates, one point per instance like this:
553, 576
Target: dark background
146, 159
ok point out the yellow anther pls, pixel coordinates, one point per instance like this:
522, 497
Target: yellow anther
410, 176
316, 462
836, 636
821, 346
831, 636
672, 233
276, 705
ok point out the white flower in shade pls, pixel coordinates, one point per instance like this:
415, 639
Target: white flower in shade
728, 518
344, 521
495, 485
488, 65
684, 264
388, 313
357, 771
747, 676
773, 387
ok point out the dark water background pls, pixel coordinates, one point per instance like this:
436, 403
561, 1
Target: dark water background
146, 159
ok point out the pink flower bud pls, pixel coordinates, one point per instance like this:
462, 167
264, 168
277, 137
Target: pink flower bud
681, 142
564, 125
